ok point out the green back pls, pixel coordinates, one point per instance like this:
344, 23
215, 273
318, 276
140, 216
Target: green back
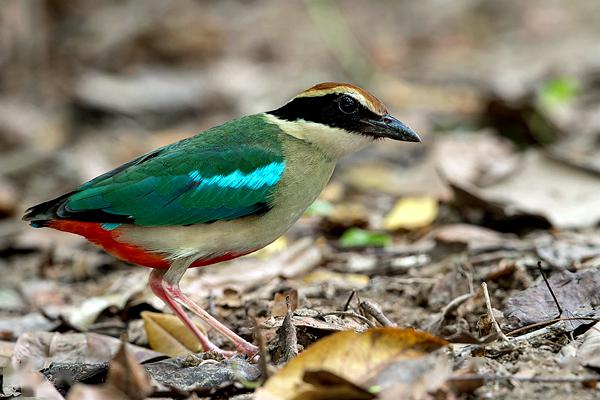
224, 173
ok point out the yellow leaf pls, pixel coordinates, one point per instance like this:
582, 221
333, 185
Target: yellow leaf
412, 213
168, 335
354, 357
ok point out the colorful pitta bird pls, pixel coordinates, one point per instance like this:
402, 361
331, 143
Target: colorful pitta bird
223, 193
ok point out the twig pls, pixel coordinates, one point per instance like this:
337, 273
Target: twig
350, 314
488, 305
349, 299
374, 310
435, 325
523, 338
544, 324
262, 352
560, 311
455, 303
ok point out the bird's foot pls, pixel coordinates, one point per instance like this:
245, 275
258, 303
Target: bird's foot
242, 346
170, 293
248, 349
251, 354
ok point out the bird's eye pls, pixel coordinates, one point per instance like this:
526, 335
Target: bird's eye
347, 104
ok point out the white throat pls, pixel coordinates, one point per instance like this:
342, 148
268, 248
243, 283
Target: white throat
335, 142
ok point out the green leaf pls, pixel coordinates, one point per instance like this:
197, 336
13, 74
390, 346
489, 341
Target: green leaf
559, 91
356, 237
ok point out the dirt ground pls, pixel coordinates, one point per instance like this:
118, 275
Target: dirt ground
503, 190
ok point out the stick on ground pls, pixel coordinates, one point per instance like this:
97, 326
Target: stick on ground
488, 305
375, 311
560, 311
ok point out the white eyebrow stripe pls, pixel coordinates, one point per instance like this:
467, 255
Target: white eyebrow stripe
340, 90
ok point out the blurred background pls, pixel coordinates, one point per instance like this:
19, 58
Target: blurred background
87, 85
505, 94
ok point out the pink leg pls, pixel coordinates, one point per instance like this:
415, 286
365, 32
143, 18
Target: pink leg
241, 345
159, 288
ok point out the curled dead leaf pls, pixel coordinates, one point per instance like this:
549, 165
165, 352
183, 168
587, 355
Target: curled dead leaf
354, 357
284, 301
168, 335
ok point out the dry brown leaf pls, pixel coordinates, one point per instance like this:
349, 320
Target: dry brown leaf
567, 250
540, 187
40, 349
471, 235
127, 375
355, 357
479, 159
329, 386
167, 334
313, 322
577, 293
282, 300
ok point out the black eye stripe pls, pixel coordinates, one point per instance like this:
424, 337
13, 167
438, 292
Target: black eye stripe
326, 110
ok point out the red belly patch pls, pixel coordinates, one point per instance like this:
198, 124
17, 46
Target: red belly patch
108, 240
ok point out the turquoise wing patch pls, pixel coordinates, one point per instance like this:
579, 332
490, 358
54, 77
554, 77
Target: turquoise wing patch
181, 187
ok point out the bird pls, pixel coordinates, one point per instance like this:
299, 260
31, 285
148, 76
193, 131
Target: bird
223, 193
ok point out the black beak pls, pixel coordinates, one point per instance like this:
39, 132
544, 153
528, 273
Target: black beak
389, 127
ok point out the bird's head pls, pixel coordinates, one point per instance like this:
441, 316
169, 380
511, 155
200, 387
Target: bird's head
339, 118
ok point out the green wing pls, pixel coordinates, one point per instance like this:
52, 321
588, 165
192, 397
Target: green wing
222, 174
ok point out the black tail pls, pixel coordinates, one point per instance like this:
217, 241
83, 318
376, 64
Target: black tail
41, 214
